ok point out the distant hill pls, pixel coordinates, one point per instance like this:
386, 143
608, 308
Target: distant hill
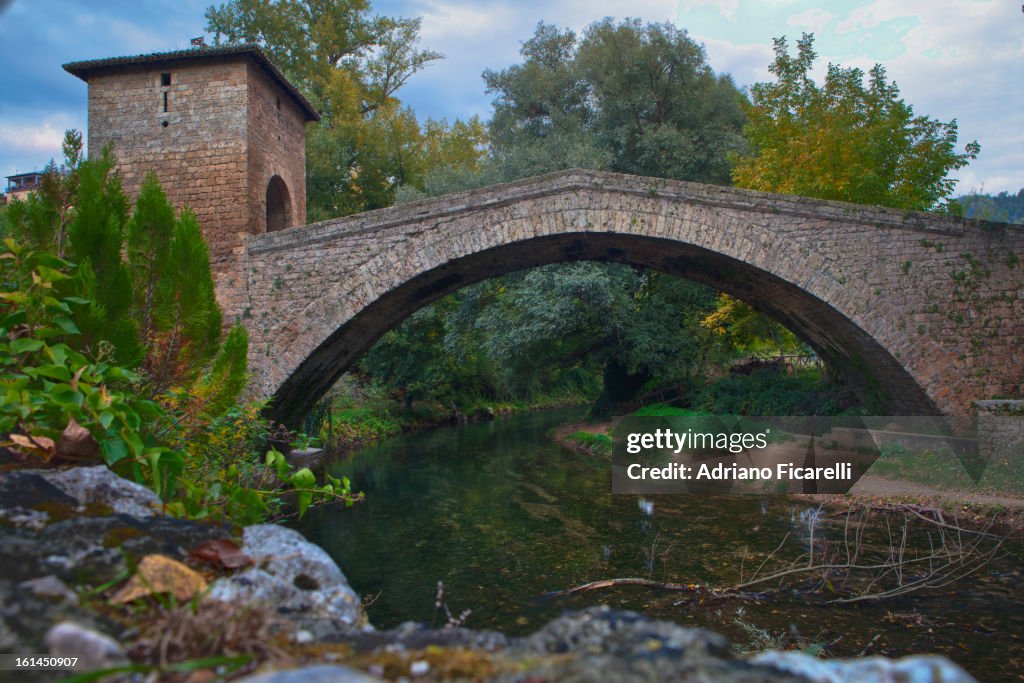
1004, 207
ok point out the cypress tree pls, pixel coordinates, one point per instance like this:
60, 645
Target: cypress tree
186, 321
148, 246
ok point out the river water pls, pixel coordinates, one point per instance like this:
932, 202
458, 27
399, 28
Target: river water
501, 515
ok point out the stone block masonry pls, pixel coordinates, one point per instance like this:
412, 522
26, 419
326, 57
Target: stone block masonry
222, 129
922, 314
200, 155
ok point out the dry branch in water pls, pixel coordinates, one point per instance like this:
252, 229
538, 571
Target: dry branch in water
919, 549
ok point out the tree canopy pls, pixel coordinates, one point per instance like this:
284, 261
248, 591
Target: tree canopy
351, 64
628, 97
843, 139
145, 274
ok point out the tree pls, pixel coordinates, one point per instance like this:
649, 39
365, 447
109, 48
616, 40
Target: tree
80, 214
844, 140
351, 65
144, 273
627, 97
1003, 207
735, 328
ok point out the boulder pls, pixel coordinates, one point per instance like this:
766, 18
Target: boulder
615, 646
296, 579
65, 531
98, 486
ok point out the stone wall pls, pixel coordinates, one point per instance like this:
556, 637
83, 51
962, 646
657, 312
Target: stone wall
227, 130
199, 155
277, 146
921, 313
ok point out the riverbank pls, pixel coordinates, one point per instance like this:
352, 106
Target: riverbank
976, 509
361, 415
103, 576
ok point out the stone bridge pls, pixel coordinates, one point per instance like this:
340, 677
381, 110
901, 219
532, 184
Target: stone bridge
921, 314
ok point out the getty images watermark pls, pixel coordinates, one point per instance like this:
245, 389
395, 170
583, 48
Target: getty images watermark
786, 454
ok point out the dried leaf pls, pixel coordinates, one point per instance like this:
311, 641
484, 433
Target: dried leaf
38, 446
221, 553
160, 574
78, 376
76, 443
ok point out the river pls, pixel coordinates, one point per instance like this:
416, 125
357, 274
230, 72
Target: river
502, 516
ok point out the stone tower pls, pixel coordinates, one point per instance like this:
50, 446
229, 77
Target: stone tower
222, 128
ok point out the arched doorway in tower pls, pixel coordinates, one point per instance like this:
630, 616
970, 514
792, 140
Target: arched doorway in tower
279, 205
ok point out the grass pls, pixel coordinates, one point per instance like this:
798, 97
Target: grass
944, 470
594, 443
662, 410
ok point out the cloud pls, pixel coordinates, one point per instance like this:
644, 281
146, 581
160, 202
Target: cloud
445, 23
30, 145
813, 19
727, 8
747, 63
956, 59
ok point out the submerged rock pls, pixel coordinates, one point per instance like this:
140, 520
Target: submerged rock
297, 579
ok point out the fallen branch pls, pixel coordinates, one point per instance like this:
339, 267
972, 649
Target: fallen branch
611, 583
905, 563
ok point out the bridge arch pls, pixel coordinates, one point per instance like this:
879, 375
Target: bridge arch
836, 274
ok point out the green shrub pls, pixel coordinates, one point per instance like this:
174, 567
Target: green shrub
595, 443
767, 392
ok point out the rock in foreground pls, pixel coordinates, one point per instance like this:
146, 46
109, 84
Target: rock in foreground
75, 529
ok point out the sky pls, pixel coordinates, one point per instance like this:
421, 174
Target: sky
961, 59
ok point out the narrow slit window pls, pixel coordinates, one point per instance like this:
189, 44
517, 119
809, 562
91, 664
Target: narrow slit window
165, 101
165, 80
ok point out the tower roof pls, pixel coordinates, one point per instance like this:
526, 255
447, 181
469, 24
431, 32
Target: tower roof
216, 53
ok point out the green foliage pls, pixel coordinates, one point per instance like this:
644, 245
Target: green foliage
48, 384
627, 97
70, 334
735, 329
351, 65
1003, 207
185, 322
767, 392
549, 331
226, 378
235, 495
145, 273
595, 443
148, 244
844, 140
662, 410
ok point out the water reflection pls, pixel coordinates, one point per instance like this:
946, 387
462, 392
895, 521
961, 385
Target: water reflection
503, 516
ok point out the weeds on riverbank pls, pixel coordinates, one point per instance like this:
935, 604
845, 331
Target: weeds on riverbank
597, 444
358, 412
